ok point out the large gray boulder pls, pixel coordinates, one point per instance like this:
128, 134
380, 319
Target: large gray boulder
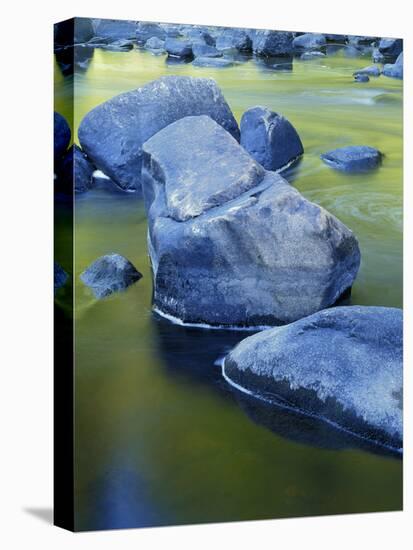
232, 244
146, 30
269, 138
234, 39
155, 46
309, 41
112, 133
272, 43
390, 48
110, 273
178, 48
343, 365
115, 29
394, 70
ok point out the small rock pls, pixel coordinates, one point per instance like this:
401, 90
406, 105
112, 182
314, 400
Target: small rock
60, 277
203, 50
269, 138
354, 158
215, 62
372, 70
110, 273
360, 77
155, 45
312, 55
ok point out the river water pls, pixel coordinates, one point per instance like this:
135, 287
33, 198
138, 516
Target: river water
160, 437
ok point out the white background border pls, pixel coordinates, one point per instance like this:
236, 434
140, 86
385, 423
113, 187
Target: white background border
26, 272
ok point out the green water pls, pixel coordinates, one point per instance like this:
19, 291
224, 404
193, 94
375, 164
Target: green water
160, 438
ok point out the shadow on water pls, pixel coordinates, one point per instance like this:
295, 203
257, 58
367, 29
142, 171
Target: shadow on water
305, 429
194, 353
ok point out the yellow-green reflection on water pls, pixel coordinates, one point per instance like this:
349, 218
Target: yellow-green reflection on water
159, 437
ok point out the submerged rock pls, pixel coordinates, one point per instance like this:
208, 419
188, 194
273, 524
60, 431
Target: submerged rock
361, 77
215, 62
269, 138
371, 70
62, 135
312, 55
60, 277
178, 48
343, 365
272, 43
354, 158
309, 41
145, 31
232, 244
155, 45
112, 133
110, 273
234, 39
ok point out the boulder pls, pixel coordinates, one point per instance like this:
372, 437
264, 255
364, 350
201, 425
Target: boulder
394, 70
371, 70
309, 41
272, 43
360, 77
269, 138
171, 29
390, 48
213, 62
155, 45
312, 55
377, 56
145, 30
203, 50
77, 30
343, 365
178, 48
115, 29
112, 133
198, 35
60, 277
234, 39
62, 135
354, 158
108, 274
74, 172
231, 244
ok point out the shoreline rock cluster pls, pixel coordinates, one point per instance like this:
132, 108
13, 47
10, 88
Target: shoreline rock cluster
217, 47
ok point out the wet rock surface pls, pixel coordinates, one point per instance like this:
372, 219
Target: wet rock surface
354, 158
108, 274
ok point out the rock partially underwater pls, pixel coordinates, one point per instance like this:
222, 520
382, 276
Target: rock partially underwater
75, 172
271, 43
112, 133
269, 138
62, 135
354, 158
110, 273
232, 244
60, 277
343, 365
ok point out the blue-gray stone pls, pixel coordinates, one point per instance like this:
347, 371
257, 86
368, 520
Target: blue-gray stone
145, 30
203, 50
62, 135
115, 29
361, 40
312, 55
371, 70
108, 274
213, 62
112, 133
377, 56
309, 41
75, 172
390, 48
234, 39
178, 48
399, 60
232, 244
269, 138
155, 45
344, 365
199, 35
361, 77
394, 70
60, 277
354, 158
271, 43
